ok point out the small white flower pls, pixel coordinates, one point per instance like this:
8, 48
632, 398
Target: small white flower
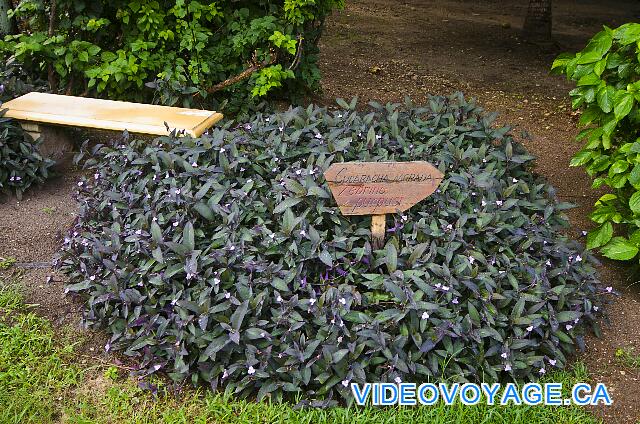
339, 115
578, 258
225, 374
312, 171
530, 328
504, 355
318, 136
138, 232
298, 171
194, 164
333, 321
92, 278
584, 233
274, 169
343, 300
80, 184
507, 367
569, 327
177, 191
483, 203
279, 299
241, 169
471, 260
96, 176
609, 289
438, 285
595, 308
276, 160
281, 128
227, 295
445, 288
499, 202
378, 136
515, 180
175, 224
232, 248
398, 380
345, 383
449, 227
473, 193
485, 161
340, 339
552, 362
542, 371
303, 233
312, 301
216, 280
266, 119
548, 263
251, 370
425, 315
455, 301
154, 219
575, 321
404, 218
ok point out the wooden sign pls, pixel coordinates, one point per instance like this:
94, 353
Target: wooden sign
378, 188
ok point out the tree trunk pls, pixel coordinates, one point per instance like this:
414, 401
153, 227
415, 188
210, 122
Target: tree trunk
6, 24
537, 23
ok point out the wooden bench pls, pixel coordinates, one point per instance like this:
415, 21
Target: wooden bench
34, 109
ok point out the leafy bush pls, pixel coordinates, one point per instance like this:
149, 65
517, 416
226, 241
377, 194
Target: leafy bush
225, 259
181, 48
607, 74
21, 164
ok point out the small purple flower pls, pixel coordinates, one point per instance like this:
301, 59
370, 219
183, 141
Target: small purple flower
542, 370
455, 301
552, 362
609, 289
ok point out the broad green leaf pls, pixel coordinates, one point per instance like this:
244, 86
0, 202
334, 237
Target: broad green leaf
619, 248
634, 202
623, 104
600, 236
605, 98
325, 257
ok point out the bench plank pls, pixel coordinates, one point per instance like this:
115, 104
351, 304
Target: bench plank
108, 114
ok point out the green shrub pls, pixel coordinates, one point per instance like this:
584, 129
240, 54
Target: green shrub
21, 164
224, 259
607, 74
178, 47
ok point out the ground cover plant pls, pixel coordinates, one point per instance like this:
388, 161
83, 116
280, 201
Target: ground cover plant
607, 73
228, 49
43, 379
224, 260
21, 164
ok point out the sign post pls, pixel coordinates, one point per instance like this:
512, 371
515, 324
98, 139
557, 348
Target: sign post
379, 188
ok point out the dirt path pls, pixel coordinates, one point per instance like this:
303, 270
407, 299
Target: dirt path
384, 50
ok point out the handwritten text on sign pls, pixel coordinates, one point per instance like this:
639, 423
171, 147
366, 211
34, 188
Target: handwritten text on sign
375, 188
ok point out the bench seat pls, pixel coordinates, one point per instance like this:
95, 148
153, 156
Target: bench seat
53, 109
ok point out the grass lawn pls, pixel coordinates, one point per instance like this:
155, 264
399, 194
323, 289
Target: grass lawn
42, 381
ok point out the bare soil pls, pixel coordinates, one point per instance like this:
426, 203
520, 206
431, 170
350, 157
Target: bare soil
385, 50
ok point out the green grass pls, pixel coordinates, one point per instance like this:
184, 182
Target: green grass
628, 357
41, 381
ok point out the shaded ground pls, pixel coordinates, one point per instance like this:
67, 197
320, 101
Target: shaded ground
384, 50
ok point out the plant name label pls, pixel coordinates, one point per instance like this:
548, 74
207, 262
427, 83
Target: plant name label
377, 188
